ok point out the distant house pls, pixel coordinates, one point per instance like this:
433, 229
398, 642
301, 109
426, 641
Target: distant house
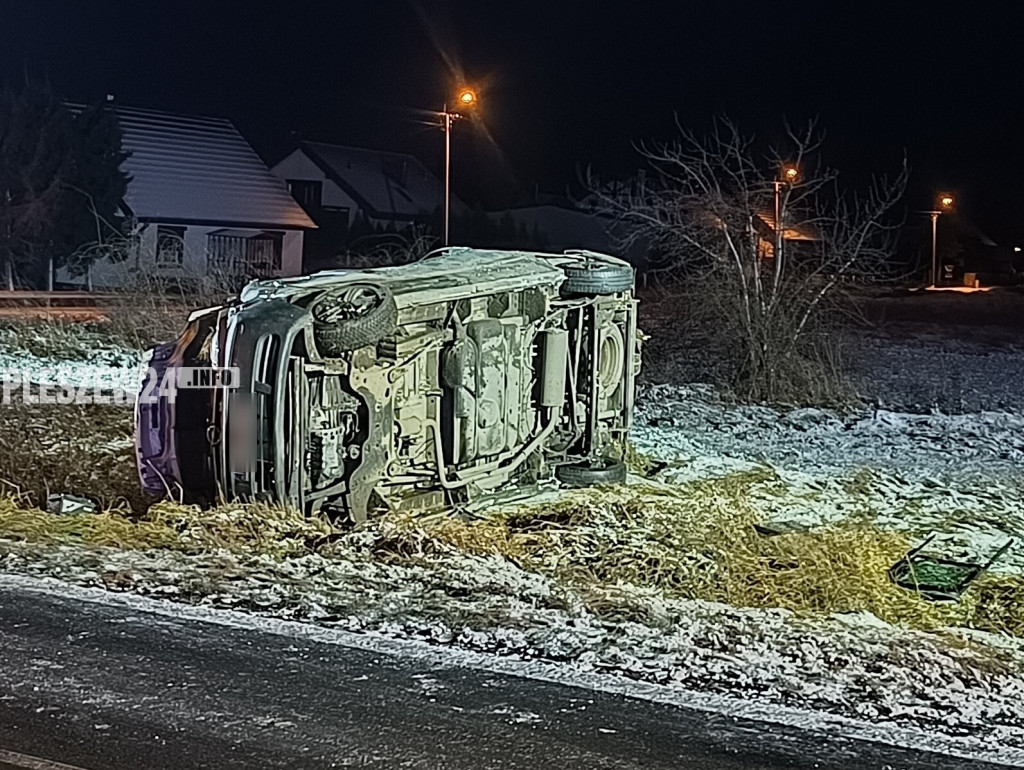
386, 187
204, 202
798, 232
347, 190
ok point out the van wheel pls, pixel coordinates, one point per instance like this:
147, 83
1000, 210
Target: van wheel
591, 474
353, 317
597, 277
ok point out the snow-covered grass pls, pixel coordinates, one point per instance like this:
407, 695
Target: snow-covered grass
955, 475
71, 354
667, 585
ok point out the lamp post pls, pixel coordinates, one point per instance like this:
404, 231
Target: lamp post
467, 99
789, 176
945, 202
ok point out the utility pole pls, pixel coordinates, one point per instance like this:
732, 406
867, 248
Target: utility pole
945, 201
778, 221
447, 117
789, 176
467, 99
935, 259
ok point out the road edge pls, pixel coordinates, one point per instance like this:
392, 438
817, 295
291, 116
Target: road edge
833, 725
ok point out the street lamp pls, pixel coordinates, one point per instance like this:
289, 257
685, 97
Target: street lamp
466, 98
789, 175
945, 201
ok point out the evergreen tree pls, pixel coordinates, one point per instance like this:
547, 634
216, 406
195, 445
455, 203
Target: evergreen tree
91, 204
61, 183
36, 159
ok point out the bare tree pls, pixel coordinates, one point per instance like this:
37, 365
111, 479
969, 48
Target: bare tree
769, 237
384, 249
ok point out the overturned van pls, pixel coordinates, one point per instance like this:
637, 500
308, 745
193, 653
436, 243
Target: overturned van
447, 382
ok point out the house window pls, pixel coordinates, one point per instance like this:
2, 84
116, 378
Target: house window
244, 252
307, 193
170, 246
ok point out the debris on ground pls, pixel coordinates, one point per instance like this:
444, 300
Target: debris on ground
65, 503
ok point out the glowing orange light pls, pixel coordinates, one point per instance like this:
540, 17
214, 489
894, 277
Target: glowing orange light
946, 201
791, 173
467, 97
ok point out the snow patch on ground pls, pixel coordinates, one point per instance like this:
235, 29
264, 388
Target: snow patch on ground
109, 368
956, 473
692, 423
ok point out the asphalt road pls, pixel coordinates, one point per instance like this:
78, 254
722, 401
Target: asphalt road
102, 687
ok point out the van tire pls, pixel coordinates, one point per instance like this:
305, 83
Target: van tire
591, 474
596, 277
336, 334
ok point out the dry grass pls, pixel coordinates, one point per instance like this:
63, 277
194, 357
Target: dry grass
694, 543
20, 520
149, 309
999, 604
252, 529
699, 543
81, 449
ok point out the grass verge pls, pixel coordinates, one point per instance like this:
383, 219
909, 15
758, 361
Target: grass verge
83, 449
240, 528
696, 541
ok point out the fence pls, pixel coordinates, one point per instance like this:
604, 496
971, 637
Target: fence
62, 305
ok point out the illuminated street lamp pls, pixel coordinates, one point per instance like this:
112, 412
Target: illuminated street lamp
789, 175
945, 201
466, 98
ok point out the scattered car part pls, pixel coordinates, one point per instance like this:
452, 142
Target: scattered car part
938, 577
69, 504
438, 383
784, 527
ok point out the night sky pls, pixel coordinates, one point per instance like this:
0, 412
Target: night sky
565, 84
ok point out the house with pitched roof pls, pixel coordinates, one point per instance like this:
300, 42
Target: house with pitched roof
339, 186
203, 202
386, 187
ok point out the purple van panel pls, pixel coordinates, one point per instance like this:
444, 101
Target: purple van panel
155, 452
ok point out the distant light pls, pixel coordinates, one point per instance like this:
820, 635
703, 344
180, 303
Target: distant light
792, 172
1017, 249
467, 97
946, 201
